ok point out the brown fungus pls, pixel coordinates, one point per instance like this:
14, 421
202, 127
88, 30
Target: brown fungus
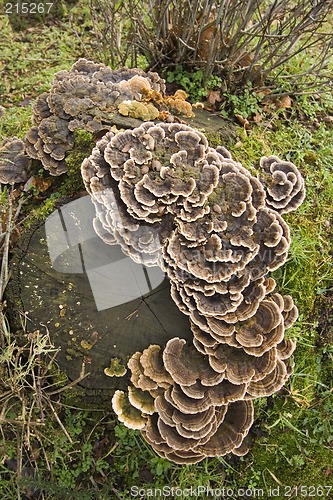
85, 97
186, 365
14, 162
112, 223
283, 182
231, 425
126, 412
160, 167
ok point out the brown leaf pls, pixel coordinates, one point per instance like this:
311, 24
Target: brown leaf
257, 118
213, 96
284, 102
37, 182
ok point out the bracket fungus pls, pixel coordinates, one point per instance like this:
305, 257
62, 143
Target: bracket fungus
224, 238
113, 223
283, 183
183, 428
86, 98
14, 163
160, 168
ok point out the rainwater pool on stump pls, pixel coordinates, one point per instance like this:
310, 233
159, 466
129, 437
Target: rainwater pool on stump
98, 305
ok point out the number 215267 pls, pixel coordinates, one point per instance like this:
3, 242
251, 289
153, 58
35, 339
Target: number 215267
28, 8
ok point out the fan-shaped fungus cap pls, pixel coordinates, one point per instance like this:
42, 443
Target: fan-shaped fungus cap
238, 366
153, 366
152, 435
113, 223
138, 378
184, 422
148, 371
126, 412
232, 425
41, 109
186, 365
231, 432
136, 109
160, 167
178, 105
283, 182
14, 163
271, 383
116, 368
141, 400
85, 97
50, 142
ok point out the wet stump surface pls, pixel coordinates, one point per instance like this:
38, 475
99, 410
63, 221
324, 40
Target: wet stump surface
63, 304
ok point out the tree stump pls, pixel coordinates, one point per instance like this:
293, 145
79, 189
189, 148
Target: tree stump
94, 322
52, 284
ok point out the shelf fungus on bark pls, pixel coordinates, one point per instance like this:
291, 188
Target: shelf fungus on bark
14, 163
113, 223
86, 98
188, 414
126, 412
219, 239
160, 168
169, 199
283, 183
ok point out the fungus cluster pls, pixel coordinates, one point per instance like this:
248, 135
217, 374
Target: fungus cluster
212, 228
169, 199
86, 98
113, 223
283, 183
14, 163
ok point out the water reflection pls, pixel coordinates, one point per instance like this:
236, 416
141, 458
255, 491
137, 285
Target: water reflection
114, 277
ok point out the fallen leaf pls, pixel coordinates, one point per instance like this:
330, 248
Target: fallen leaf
213, 97
257, 118
284, 102
37, 182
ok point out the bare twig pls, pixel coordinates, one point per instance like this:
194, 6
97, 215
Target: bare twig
56, 416
241, 40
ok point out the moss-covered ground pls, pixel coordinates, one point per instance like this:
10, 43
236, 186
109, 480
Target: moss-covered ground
80, 451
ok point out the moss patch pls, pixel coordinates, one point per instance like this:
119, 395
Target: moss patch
72, 181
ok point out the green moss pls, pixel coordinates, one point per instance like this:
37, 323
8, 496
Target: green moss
214, 139
15, 122
186, 172
40, 212
296, 448
72, 181
282, 459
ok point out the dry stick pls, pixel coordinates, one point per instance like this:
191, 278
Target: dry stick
19, 423
286, 57
50, 363
19, 435
265, 27
59, 421
4, 275
192, 22
19, 460
45, 454
162, 26
38, 389
213, 47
